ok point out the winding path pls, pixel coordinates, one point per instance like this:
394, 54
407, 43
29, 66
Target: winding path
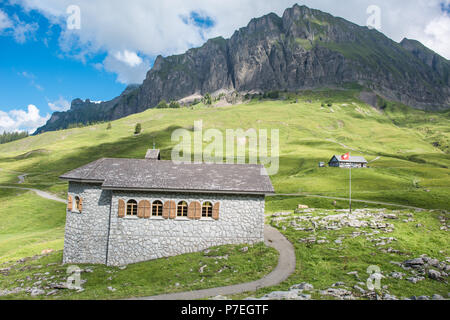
40, 193
285, 267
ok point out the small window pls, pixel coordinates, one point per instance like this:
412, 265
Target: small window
157, 209
182, 209
132, 208
207, 210
77, 203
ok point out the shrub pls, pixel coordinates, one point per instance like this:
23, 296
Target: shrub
174, 105
273, 95
138, 129
109, 126
162, 105
207, 99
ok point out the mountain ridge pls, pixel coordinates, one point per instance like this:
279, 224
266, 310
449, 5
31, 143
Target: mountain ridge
303, 49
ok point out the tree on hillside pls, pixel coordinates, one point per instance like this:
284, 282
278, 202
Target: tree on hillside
207, 99
138, 129
12, 136
174, 105
162, 104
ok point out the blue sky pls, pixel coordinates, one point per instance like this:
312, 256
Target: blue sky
44, 65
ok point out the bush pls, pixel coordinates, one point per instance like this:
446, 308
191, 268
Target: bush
174, 105
272, 95
162, 105
207, 99
109, 126
138, 129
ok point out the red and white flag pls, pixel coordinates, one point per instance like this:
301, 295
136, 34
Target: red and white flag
346, 156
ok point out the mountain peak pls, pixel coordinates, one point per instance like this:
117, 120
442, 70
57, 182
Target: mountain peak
303, 49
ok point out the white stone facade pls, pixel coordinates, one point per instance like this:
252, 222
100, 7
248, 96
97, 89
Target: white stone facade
99, 236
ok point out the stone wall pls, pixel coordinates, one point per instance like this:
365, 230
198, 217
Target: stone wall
241, 220
86, 234
131, 239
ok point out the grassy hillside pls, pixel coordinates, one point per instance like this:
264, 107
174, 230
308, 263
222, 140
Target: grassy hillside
29, 225
407, 149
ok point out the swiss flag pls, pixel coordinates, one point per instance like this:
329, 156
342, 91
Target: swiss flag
346, 156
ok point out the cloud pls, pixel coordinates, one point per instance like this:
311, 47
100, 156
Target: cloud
5, 22
59, 105
20, 30
129, 58
32, 78
20, 120
437, 30
129, 67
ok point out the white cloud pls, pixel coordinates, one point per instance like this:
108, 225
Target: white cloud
128, 66
20, 120
436, 35
151, 27
59, 105
32, 78
18, 29
5, 22
129, 58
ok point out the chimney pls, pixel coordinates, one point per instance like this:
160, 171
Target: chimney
153, 154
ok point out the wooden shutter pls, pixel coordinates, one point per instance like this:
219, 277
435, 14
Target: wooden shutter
147, 209
69, 203
169, 210
141, 209
80, 206
173, 210
121, 208
215, 213
193, 208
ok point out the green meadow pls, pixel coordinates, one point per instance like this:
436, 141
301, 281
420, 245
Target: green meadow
407, 150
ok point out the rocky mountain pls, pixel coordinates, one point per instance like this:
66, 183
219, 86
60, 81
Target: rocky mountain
303, 49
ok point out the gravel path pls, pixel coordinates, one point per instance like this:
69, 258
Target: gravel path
285, 267
40, 193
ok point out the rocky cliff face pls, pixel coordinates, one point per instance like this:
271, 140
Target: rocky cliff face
304, 48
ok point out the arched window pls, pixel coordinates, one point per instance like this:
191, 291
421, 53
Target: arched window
207, 210
132, 208
157, 209
182, 209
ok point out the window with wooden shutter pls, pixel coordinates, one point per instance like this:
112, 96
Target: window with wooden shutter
216, 209
121, 212
132, 208
191, 210
157, 209
69, 203
182, 209
207, 210
169, 210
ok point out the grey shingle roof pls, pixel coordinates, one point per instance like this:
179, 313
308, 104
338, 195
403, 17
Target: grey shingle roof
352, 159
141, 174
